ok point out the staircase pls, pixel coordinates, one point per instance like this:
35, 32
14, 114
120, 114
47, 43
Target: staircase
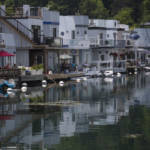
17, 25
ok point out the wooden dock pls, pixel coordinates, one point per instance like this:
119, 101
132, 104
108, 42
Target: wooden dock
9, 73
53, 78
58, 77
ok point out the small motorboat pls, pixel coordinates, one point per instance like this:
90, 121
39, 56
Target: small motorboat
108, 73
93, 73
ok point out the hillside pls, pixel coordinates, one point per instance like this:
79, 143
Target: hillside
132, 12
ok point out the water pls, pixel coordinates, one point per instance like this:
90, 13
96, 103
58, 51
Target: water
97, 114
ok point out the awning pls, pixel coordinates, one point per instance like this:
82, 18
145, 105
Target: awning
65, 56
5, 54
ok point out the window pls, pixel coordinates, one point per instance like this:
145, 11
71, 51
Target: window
34, 11
62, 33
73, 34
115, 36
85, 32
54, 32
0, 29
102, 57
39, 59
108, 35
101, 35
36, 33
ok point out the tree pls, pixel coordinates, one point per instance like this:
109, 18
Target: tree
93, 8
146, 11
125, 16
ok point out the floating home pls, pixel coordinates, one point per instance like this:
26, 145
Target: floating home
109, 43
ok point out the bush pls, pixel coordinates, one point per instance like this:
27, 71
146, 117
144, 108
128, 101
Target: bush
37, 67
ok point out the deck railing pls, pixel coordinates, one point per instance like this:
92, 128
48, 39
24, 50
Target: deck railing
17, 24
10, 73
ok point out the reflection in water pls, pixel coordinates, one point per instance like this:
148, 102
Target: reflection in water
109, 114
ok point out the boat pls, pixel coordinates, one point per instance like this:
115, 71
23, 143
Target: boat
147, 69
108, 73
92, 73
5, 85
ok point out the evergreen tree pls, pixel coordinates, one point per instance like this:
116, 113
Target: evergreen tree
146, 11
93, 8
125, 16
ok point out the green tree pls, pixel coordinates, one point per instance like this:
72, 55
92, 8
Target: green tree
146, 11
93, 8
125, 16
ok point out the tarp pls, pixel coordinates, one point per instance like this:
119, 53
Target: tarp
5, 54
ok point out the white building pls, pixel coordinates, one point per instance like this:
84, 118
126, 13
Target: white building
74, 32
30, 27
142, 44
108, 41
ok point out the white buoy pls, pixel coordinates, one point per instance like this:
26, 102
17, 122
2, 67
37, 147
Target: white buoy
61, 83
78, 80
9, 91
44, 83
23, 89
118, 74
84, 78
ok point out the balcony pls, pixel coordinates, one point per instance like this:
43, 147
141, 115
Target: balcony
53, 42
96, 43
80, 43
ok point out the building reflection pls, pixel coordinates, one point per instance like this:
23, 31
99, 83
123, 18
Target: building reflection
99, 102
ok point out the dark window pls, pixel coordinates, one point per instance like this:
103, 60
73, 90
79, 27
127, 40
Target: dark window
115, 36
54, 32
85, 32
62, 33
73, 35
0, 29
39, 59
34, 12
102, 57
36, 33
101, 35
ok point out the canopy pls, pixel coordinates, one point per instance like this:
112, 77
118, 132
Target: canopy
65, 56
5, 54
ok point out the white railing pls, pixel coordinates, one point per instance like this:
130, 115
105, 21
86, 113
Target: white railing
116, 66
77, 43
96, 42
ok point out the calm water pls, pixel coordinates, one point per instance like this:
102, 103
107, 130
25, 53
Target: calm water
97, 114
